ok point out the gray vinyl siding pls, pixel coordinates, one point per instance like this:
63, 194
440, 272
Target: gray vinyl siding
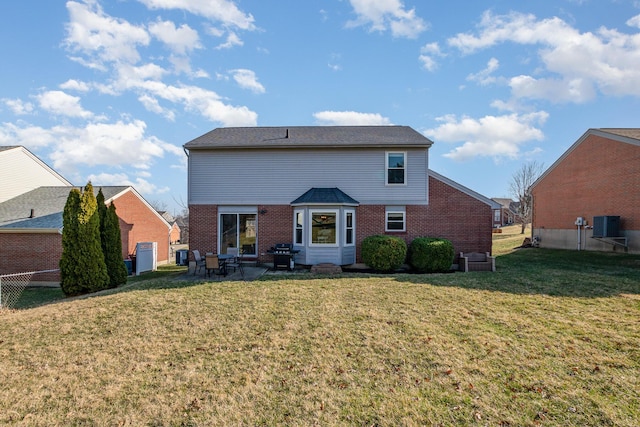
278, 176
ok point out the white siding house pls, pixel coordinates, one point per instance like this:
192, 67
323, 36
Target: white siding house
21, 171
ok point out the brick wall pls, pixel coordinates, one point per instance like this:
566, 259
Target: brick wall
23, 252
451, 214
139, 224
599, 177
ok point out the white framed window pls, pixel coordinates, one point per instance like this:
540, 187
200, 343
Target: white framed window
237, 230
395, 168
395, 219
298, 227
349, 228
324, 227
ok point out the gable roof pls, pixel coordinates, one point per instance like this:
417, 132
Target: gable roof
325, 196
48, 204
462, 188
22, 171
626, 135
309, 137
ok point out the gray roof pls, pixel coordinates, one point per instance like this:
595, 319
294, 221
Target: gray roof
8, 147
310, 137
633, 133
325, 196
47, 204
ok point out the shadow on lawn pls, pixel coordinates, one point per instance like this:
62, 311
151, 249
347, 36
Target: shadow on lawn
550, 272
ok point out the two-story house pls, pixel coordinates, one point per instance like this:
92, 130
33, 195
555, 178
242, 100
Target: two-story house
324, 189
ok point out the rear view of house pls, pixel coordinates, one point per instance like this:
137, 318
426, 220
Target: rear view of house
323, 190
589, 199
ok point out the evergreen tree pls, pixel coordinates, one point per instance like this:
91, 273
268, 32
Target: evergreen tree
92, 270
112, 244
69, 262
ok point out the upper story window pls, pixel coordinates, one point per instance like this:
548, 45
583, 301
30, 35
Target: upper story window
396, 168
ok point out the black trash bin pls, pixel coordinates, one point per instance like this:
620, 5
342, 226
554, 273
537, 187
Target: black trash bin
182, 257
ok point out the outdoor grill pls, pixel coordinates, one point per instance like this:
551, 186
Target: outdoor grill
283, 256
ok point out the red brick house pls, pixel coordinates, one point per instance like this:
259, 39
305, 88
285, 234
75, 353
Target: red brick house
324, 189
31, 227
589, 199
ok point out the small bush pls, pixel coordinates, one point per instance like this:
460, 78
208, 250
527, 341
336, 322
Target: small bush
431, 255
384, 253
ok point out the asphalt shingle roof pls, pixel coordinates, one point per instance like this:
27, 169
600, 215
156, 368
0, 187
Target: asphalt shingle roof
47, 204
627, 132
310, 136
325, 196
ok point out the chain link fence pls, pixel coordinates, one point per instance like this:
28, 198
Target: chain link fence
12, 286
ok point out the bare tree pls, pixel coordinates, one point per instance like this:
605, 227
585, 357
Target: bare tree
520, 188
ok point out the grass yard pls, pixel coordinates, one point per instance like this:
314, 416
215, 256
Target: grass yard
552, 339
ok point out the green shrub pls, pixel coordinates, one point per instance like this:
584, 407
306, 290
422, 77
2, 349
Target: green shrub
384, 253
431, 255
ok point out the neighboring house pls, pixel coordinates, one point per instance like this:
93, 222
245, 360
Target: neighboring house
506, 214
31, 227
597, 177
324, 189
174, 234
21, 171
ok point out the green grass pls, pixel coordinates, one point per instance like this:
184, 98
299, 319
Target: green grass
550, 339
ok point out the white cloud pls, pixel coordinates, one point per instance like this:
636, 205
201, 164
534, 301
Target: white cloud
489, 136
76, 85
141, 185
116, 144
179, 40
576, 66
384, 15
247, 79
556, 90
350, 118
224, 11
62, 104
18, 106
152, 104
634, 22
232, 41
102, 38
427, 54
485, 77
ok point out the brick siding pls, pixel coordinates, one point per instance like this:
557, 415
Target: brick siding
599, 177
451, 214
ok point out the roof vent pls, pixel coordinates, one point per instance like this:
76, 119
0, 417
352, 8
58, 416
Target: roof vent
32, 214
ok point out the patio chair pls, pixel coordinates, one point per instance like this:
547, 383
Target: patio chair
232, 262
199, 261
236, 263
212, 264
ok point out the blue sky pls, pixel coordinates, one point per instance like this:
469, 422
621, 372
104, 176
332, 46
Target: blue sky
109, 91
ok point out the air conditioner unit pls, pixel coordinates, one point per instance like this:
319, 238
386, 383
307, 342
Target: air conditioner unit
606, 226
